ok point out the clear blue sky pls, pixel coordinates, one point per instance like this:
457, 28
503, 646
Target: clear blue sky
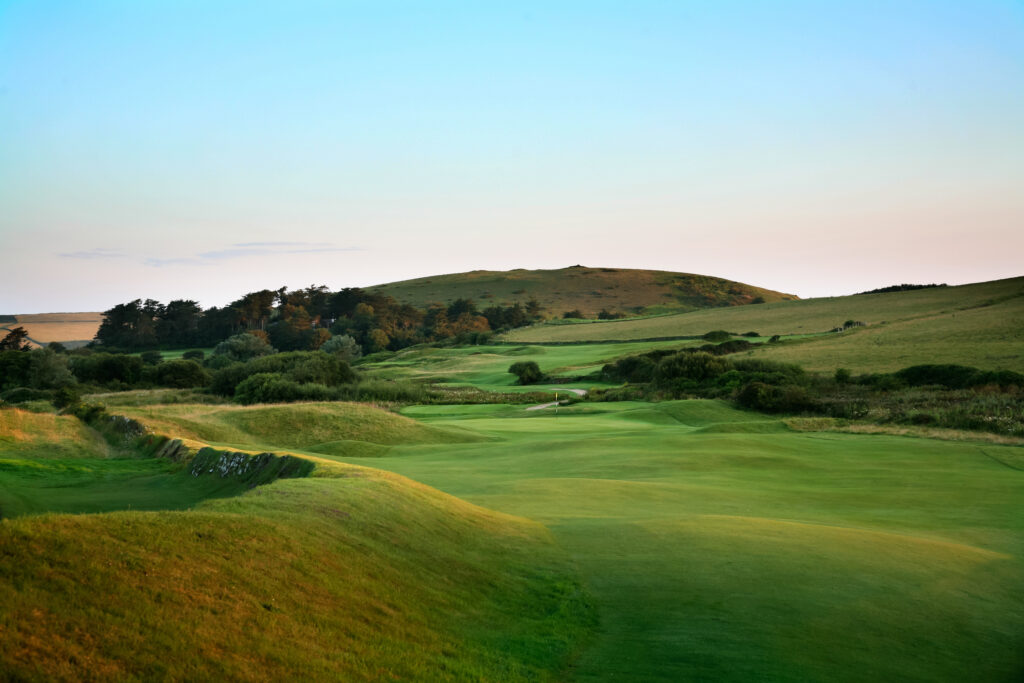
205, 149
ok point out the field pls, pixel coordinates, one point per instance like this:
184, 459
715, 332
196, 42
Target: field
980, 325
43, 328
587, 289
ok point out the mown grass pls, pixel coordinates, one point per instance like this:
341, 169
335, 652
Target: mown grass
364, 577
720, 545
586, 289
977, 325
486, 367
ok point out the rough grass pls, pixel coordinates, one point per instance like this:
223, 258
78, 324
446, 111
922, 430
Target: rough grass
720, 545
47, 435
978, 325
586, 289
365, 577
327, 428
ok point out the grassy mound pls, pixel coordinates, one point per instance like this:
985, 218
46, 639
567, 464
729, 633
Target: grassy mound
587, 289
314, 427
365, 577
27, 434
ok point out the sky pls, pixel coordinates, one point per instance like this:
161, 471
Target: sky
201, 150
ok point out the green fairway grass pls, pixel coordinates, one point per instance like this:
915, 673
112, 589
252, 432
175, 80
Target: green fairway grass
361, 576
980, 325
719, 545
486, 367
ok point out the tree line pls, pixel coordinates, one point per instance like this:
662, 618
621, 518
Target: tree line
305, 319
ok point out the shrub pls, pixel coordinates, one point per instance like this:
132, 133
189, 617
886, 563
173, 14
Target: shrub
751, 334
575, 313
842, 376
527, 371
151, 357
194, 354
268, 387
774, 339
181, 374
343, 347
243, 347
717, 336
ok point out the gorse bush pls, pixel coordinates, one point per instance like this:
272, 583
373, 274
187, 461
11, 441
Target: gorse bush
527, 371
297, 366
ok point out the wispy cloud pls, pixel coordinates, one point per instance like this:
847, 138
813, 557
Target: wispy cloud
98, 253
249, 249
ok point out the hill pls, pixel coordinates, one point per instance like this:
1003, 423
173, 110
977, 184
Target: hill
977, 324
70, 329
621, 290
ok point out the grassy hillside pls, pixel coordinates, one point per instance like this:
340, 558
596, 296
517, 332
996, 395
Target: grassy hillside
326, 428
980, 324
719, 545
44, 328
586, 289
364, 577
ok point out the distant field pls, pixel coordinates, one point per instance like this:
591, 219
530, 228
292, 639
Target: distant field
586, 289
44, 328
979, 324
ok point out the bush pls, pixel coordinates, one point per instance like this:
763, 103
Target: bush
842, 376
243, 347
25, 394
575, 313
107, 368
151, 357
194, 354
751, 334
343, 347
268, 387
528, 372
717, 336
181, 374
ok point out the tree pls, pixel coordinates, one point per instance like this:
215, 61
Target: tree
15, 340
178, 324
343, 347
527, 371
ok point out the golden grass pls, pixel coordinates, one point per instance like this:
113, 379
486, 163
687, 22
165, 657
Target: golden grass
47, 435
586, 289
58, 327
831, 424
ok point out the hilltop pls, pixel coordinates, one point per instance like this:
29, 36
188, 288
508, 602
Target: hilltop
70, 329
617, 290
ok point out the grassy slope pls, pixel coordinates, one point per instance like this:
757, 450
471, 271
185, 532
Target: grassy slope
325, 428
977, 324
364, 577
721, 546
55, 463
588, 289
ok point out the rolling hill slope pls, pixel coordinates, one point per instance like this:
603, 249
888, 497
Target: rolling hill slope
587, 289
980, 324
